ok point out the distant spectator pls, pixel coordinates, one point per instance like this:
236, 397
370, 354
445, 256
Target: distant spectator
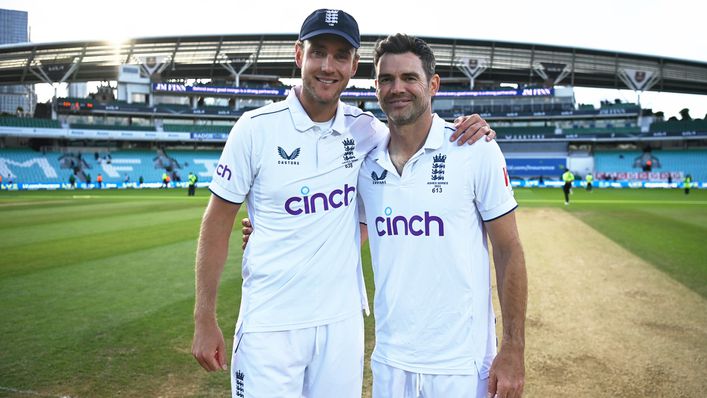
568, 178
589, 179
99, 181
192, 184
72, 181
687, 184
140, 181
646, 161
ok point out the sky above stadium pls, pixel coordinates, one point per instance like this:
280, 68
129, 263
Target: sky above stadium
655, 27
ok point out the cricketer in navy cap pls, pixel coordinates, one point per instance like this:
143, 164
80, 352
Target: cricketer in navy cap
333, 22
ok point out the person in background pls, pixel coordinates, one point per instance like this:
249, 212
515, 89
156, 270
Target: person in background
589, 179
192, 184
568, 178
687, 184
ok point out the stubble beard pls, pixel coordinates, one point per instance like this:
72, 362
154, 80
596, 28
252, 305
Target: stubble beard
309, 90
407, 116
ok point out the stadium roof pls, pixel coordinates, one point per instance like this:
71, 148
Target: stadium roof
216, 57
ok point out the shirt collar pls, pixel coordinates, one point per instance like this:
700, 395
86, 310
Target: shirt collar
434, 140
301, 119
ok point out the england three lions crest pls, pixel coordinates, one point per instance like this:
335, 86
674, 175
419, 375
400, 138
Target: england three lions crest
348, 157
437, 174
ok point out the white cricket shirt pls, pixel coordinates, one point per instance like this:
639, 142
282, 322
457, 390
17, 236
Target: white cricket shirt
301, 267
431, 265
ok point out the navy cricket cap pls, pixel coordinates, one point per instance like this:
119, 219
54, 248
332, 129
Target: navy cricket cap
333, 22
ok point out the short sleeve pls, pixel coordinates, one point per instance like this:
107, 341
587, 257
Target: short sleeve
492, 187
235, 171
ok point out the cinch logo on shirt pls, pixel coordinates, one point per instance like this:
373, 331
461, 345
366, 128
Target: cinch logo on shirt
308, 204
288, 158
223, 171
416, 225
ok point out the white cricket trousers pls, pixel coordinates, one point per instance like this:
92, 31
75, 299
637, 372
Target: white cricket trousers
317, 362
391, 382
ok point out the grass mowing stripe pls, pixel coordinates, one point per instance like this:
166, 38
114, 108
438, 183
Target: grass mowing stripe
147, 195
46, 214
29, 258
678, 214
11, 205
24, 393
80, 228
29, 196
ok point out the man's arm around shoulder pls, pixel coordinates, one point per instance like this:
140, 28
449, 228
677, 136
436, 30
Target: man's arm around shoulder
208, 346
508, 369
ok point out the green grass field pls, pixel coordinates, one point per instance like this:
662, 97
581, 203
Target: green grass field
96, 288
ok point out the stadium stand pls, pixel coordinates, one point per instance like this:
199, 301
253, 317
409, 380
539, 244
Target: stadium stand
200, 128
602, 130
678, 126
28, 166
630, 164
97, 126
540, 127
28, 122
508, 130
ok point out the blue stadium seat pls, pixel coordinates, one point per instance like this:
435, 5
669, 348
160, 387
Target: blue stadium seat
690, 161
28, 166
